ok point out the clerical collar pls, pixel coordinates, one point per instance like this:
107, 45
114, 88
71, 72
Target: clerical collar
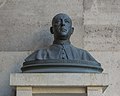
62, 42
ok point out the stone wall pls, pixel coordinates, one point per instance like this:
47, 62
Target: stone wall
24, 27
102, 24
25, 24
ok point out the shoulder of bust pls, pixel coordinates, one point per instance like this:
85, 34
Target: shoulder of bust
79, 49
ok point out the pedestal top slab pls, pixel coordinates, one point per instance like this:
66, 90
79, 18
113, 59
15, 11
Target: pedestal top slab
59, 79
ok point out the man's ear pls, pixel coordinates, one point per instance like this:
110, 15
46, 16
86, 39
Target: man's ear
51, 30
72, 30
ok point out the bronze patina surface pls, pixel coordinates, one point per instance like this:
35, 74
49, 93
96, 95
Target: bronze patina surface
61, 56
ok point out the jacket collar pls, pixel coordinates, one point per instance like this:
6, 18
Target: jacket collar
62, 42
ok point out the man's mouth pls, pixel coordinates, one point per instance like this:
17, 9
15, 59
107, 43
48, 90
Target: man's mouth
63, 29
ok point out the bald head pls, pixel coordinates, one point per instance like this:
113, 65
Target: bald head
59, 16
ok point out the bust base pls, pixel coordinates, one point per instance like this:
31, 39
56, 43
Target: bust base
28, 84
61, 66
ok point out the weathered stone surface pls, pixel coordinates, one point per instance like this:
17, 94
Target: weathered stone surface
57, 89
10, 62
59, 94
111, 64
101, 12
102, 38
24, 91
102, 24
94, 91
59, 79
59, 83
25, 24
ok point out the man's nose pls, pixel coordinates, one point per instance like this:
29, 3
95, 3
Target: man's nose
62, 23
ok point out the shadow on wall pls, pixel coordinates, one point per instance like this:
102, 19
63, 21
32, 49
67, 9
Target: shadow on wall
42, 39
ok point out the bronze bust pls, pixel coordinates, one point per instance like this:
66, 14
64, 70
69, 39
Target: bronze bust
61, 56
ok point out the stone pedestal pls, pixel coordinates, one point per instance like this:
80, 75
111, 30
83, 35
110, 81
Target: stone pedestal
28, 84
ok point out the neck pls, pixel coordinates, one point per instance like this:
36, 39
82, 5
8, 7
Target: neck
61, 42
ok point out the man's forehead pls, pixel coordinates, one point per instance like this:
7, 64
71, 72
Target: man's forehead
61, 16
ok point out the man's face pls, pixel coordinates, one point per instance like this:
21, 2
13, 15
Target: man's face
62, 25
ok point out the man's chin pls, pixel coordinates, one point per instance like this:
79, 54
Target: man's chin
63, 37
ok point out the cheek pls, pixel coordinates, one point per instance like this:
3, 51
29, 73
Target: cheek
56, 26
68, 27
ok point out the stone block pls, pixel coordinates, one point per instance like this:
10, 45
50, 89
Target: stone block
59, 79
24, 91
57, 90
94, 91
59, 83
60, 94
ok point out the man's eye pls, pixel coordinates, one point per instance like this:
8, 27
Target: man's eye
67, 21
57, 22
